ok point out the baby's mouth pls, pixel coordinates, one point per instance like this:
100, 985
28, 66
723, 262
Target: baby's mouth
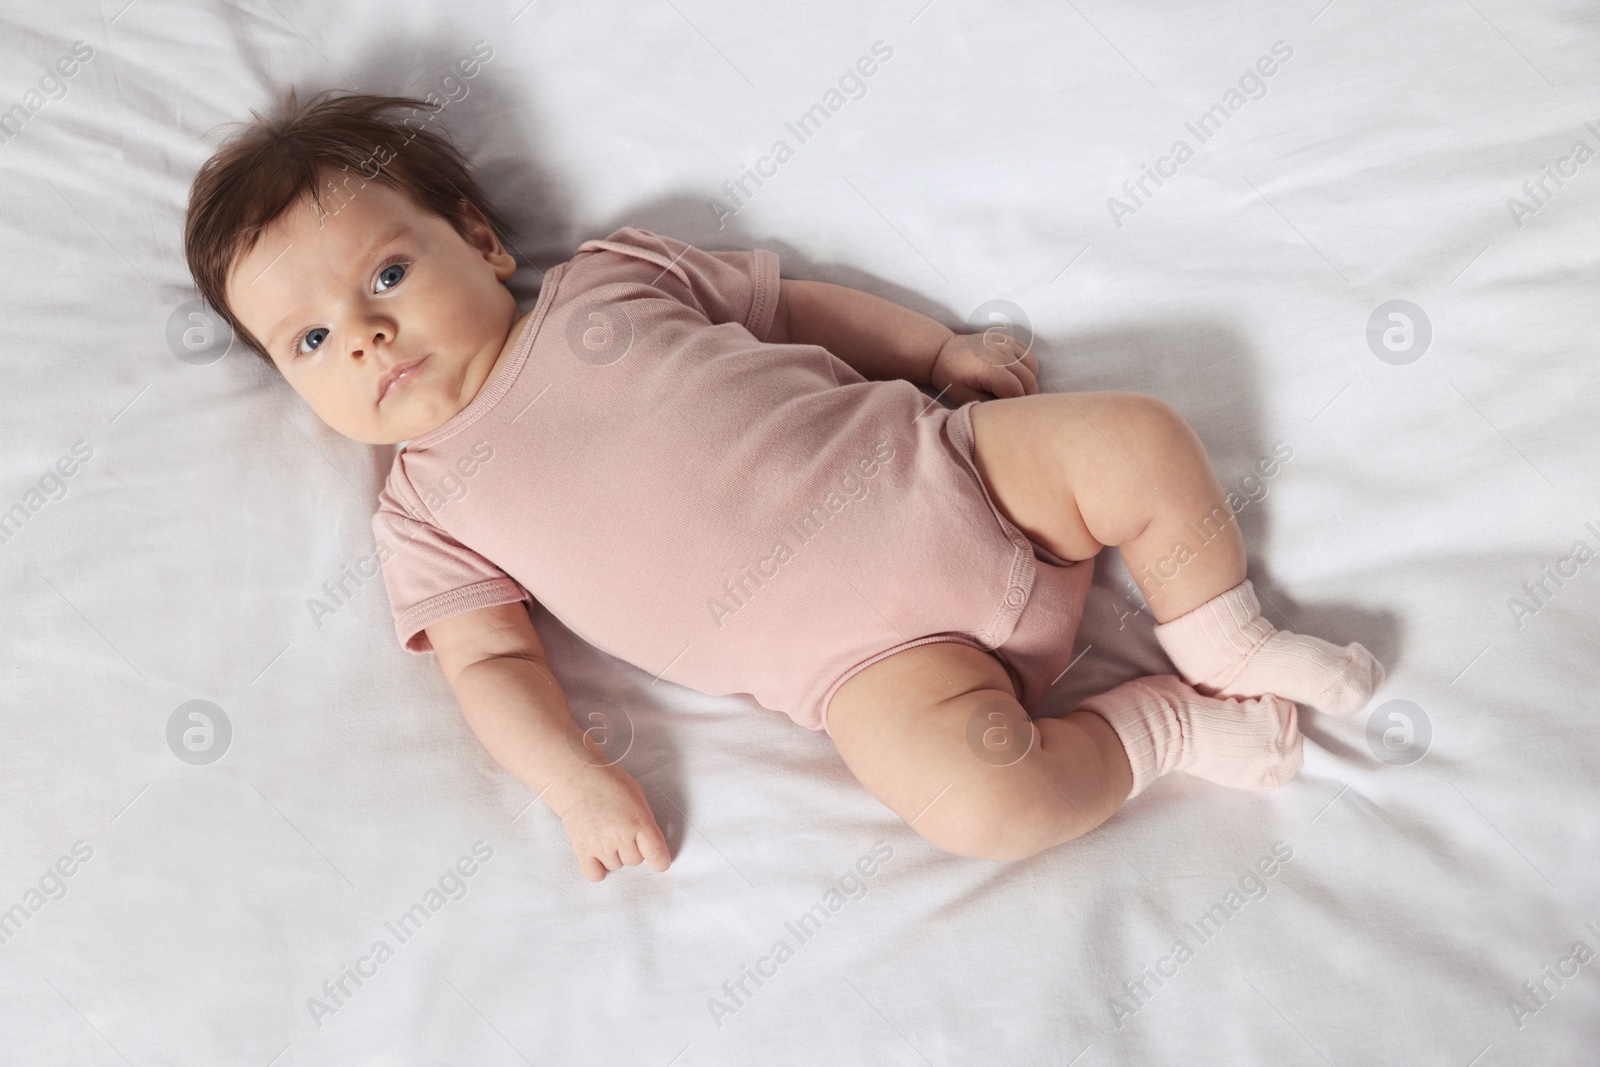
398, 377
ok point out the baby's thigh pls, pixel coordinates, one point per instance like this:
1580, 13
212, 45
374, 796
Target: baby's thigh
915, 724
1078, 471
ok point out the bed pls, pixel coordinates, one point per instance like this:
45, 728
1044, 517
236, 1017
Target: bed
1353, 243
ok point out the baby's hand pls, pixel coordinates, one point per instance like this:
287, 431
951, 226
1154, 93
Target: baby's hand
982, 366
610, 823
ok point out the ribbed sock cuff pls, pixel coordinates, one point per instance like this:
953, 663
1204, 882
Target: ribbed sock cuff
1147, 727
1211, 643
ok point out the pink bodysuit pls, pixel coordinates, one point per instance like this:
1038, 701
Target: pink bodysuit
734, 516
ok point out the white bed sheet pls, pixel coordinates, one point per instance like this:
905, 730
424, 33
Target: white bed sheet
177, 561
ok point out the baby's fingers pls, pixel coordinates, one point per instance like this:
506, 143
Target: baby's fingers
1022, 364
1029, 379
592, 869
653, 848
1003, 382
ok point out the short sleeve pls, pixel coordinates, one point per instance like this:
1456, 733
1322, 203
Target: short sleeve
737, 286
431, 576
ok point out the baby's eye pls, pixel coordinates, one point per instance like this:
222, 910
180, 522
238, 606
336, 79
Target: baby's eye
390, 276
313, 337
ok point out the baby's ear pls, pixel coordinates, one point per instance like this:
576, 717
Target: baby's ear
478, 231
481, 236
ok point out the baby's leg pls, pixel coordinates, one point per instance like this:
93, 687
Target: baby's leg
1078, 471
937, 734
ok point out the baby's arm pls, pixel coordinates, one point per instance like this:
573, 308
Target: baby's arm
497, 667
883, 340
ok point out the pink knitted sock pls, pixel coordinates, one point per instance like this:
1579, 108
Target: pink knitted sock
1225, 647
1165, 726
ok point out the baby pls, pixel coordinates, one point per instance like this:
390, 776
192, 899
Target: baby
729, 480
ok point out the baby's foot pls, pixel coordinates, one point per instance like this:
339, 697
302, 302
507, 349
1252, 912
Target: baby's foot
1225, 647
1339, 681
1165, 725
1246, 744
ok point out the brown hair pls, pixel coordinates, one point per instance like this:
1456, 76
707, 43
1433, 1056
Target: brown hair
261, 172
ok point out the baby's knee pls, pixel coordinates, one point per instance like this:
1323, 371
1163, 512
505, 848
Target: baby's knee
992, 817
1156, 423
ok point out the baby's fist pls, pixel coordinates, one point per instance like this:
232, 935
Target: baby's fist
610, 824
981, 366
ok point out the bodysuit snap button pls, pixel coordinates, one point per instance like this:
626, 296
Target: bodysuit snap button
1013, 596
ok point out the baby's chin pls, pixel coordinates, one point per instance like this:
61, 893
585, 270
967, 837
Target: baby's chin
408, 417
393, 435
391, 427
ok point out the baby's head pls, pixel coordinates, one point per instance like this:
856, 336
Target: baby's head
343, 240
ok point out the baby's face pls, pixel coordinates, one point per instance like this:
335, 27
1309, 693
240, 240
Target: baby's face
343, 299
